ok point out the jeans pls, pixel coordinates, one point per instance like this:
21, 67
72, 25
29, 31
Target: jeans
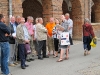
4, 57
0, 56
86, 42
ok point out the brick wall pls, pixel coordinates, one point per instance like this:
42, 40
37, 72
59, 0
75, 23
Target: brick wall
53, 8
96, 28
17, 7
4, 8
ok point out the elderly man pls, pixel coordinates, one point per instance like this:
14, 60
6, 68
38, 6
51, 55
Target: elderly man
17, 20
70, 28
50, 25
22, 39
12, 41
41, 32
4, 45
29, 26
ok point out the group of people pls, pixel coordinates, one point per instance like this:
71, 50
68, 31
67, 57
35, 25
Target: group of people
20, 40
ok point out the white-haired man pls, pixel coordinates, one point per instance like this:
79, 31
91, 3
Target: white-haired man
70, 28
41, 32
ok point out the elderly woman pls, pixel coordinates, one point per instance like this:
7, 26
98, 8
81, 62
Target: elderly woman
64, 28
87, 34
56, 36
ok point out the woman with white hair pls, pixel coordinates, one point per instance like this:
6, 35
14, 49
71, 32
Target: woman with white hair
87, 34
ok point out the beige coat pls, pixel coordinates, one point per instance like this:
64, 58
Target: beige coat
41, 32
20, 34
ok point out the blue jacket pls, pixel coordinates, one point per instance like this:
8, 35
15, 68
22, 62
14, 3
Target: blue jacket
3, 30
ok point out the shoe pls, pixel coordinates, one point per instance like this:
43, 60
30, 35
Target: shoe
88, 52
16, 63
40, 58
31, 59
55, 56
60, 60
85, 53
12, 65
46, 56
28, 60
66, 58
26, 65
23, 67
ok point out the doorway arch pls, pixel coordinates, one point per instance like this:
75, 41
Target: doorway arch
32, 8
95, 11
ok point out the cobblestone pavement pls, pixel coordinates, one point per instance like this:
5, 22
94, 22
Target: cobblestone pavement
78, 64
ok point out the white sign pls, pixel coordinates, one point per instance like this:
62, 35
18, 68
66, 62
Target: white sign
65, 38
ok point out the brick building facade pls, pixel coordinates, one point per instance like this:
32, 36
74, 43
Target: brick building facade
78, 9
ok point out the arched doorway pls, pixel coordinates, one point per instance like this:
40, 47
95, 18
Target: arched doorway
74, 7
93, 14
95, 11
66, 7
32, 8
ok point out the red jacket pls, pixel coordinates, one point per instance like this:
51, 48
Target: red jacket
87, 30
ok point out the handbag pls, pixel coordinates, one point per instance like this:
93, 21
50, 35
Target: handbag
27, 48
93, 42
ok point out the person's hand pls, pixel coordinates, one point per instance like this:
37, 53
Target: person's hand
14, 37
27, 41
69, 28
54, 33
6, 34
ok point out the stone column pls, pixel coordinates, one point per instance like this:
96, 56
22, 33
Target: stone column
51, 8
47, 10
97, 12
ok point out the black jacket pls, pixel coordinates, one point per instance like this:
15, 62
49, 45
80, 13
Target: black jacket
3, 30
11, 38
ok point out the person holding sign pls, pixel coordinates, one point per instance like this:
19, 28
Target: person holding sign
64, 38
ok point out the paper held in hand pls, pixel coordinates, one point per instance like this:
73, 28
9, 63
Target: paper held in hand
60, 27
14, 34
65, 38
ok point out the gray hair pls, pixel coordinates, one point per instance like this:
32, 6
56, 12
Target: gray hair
67, 14
36, 20
39, 19
29, 18
87, 20
18, 17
